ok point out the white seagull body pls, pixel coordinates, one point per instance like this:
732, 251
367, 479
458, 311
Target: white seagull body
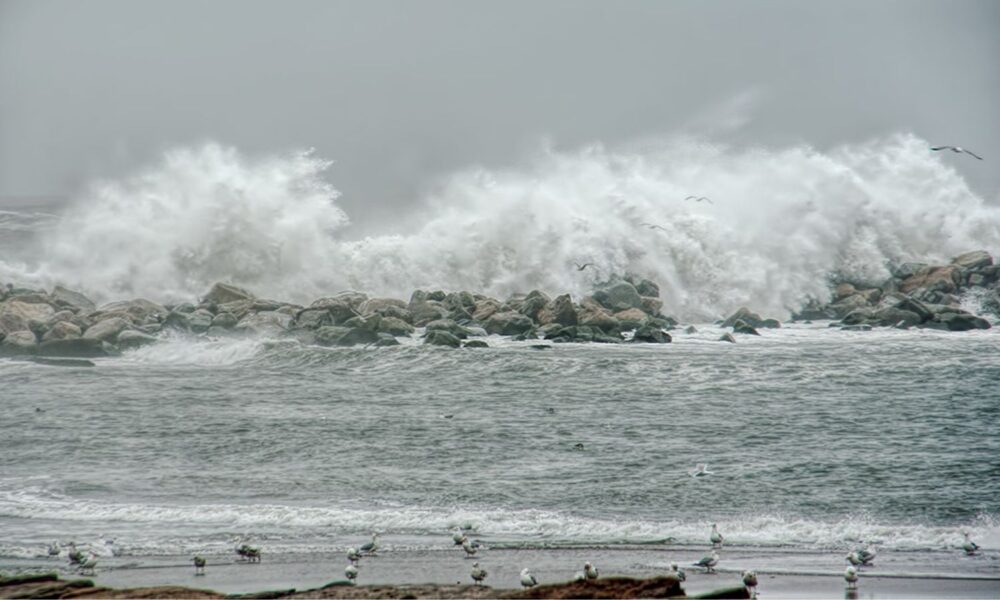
709, 562
676, 572
867, 555
527, 579
700, 470
851, 577
715, 537
589, 571
458, 537
372, 546
478, 573
353, 556
88, 565
969, 546
470, 548
351, 573
854, 559
199, 565
750, 581
957, 150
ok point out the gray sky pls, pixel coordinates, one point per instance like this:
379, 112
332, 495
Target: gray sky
400, 93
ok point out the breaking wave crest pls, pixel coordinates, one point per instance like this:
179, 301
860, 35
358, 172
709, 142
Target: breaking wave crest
781, 222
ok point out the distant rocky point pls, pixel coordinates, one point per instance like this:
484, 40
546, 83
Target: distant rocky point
66, 323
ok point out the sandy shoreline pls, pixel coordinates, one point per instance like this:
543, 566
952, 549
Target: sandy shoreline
782, 575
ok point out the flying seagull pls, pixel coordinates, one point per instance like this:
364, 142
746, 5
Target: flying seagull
527, 579
700, 470
700, 199
653, 226
580, 267
958, 150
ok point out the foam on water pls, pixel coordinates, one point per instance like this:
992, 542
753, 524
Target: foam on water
782, 221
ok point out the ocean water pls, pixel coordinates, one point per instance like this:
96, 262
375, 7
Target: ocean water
818, 439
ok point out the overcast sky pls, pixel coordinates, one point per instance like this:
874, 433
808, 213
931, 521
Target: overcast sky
400, 93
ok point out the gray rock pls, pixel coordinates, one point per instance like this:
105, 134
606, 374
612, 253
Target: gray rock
75, 348
917, 307
973, 260
651, 306
66, 297
560, 311
475, 344
727, 337
743, 314
858, 327
651, 335
63, 330
859, 315
130, 338
19, 342
184, 308
484, 309
647, 288
313, 318
224, 320
770, 324
509, 323
269, 323
138, 311
384, 340
177, 320
221, 293
16, 315
106, 330
358, 335
200, 320
963, 322
891, 316
690, 329
329, 335
340, 308
618, 294
909, 269
394, 326
442, 338
533, 304
745, 328
373, 306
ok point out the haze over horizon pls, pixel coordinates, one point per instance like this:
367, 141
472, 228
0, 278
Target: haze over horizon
401, 95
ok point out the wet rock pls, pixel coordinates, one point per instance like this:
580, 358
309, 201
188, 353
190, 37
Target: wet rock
858, 316
651, 335
973, 260
426, 312
618, 295
744, 327
743, 314
559, 311
909, 269
891, 316
475, 344
727, 337
508, 323
183, 308
222, 293
329, 335
339, 307
442, 338
224, 320
533, 304
130, 338
962, 321
136, 311
934, 279
63, 330
312, 318
394, 326
268, 323
858, 327
200, 320
647, 288
484, 309
177, 320
385, 340
19, 342
690, 329
106, 330
848, 305
379, 306
16, 315
66, 297
843, 290
632, 318
651, 306
358, 335
602, 337
449, 326
73, 348
770, 324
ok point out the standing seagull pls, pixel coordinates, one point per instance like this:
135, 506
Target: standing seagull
715, 537
54, 548
458, 537
470, 548
854, 559
199, 565
969, 546
958, 150
867, 555
589, 571
371, 547
851, 577
351, 573
700, 199
353, 556
89, 564
709, 562
750, 580
675, 572
527, 579
478, 573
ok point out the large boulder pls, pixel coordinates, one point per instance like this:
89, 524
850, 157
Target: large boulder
341, 308
268, 323
619, 295
200, 320
221, 293
373, 306
137, 311
313, 318
19, 342
442, 338
73, 348
224, 320
509, 323
937, 279
971, 261
394, 326
65, 297
848, 305
647, 288
916, 307
62, 330
651, 306
560, 310
16, 315
358, 335
743, 314
652, 335
631, 318
484, 309
106, 330
130, 338
891, 316
962, 321
533, 304
329, 335
425, 312
744, 328
598, 319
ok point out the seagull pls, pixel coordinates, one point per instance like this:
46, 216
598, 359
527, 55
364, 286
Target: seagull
709, 562
700, 470
854, 559
458, 537
353, 556
867, 555
578, 446
700, 199
652, 226
851, 577
676, 573
958, 150
76, 557
715, 537
351, 573
371, 547
199, 565
969, 546
478, 573
470, 548
580, 267
54, 548
88, 564
750, 580
527, 579
590, 571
